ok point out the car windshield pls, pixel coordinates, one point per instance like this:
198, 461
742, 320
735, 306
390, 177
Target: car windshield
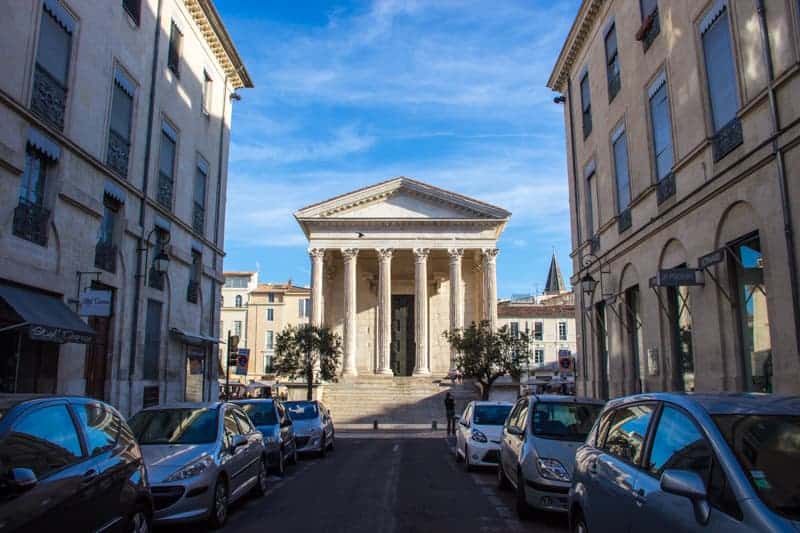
564, 421
302, 410
260, 413
175, 426
491, 415
768, 449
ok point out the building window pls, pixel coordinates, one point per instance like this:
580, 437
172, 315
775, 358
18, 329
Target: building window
175, 44
612, 62
199, 210
538, 330
237, 329
238, 300
586, 105
591, 211
236, 282
156, 278
651, 25
152, 340
751, 293
49, 96
538, 356
133, 7
270, 314
620, 147
208, 84
166, 165
514, 329
268, 364
193, 288
721, 78
662, 127
270, 340
105, 251
271, 297
562, 331
30, 216
305, 307
681, 329
119, 130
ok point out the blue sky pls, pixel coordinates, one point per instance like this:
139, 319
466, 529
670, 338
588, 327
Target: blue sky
349, 94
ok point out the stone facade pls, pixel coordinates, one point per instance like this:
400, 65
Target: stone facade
682, 129
89, 91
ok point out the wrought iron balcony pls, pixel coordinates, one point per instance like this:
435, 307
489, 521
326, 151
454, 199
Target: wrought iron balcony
727, 139
199, 219
165, 185
118, 152
624, 221
193, 291
155, 279
30, 222
49, 98
665, 188
651, 27
105, 256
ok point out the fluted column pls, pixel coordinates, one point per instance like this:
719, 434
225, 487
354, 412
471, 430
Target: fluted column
490, 285
317, 265
456, 298
384, 311
349, 360
421, 367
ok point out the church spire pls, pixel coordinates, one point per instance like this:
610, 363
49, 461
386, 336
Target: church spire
555, 283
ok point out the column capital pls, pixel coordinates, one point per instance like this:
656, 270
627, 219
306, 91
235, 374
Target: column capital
316, 253
385, 254
349, 253
490, 254
421, 254
455, 253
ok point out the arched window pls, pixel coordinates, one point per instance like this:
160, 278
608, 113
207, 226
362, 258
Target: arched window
238, 300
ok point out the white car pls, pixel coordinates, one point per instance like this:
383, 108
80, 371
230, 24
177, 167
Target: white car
479, 432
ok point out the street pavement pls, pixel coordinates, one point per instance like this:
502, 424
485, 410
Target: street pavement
385, 482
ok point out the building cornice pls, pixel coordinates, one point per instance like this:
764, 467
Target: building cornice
581, 29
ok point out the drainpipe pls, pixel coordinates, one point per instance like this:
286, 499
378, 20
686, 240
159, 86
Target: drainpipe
782, 184
140, 240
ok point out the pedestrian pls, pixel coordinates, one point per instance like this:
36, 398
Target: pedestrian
450, 410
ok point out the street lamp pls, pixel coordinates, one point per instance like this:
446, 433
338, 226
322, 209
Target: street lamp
161, 260
588, 283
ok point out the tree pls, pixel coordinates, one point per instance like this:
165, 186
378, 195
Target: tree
486, 355
300, 350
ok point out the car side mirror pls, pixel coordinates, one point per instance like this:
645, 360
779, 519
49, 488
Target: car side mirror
237, 442
689, 485
21, 480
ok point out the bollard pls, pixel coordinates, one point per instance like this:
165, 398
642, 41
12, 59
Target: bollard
374, 424
433, 425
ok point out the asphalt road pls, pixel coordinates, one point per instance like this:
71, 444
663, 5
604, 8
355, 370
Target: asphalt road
388, 483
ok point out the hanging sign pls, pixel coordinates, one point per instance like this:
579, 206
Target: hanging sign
565, 360
711, 259
95, 302
680, 277
242, 360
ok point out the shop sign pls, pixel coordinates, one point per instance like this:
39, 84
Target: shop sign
242, 359
95, 302
679, 277
711, 259
60, 335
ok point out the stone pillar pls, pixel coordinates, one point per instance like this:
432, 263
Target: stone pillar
317, 264
456, 297
490, 285
349, 359
384, 311
421, 367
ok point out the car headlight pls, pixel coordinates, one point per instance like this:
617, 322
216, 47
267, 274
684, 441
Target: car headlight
192, 469
478, 436
315, 432
552, 469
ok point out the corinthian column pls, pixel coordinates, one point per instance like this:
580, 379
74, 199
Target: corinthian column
349, 360
421, 367
490, 285
384, 311
456, 299
317, 264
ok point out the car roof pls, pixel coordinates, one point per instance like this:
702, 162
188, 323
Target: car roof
561, 398
252, 400
726, 403
9, 400
184, 405
491, 402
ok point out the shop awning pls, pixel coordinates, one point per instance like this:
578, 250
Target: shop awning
47, 318
193, 338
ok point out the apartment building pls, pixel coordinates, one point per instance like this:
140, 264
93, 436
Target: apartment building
682, 126
115, 121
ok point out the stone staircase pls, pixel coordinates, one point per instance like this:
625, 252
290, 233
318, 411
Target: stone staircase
393, 401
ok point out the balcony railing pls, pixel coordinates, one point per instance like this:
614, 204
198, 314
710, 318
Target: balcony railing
727, 139
30, 222
651, 27
105, 256
49, 98
118, 152
199, 219
193, 291
165, 185
665, 188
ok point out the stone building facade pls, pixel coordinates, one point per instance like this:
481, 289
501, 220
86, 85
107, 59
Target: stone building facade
394, 266
682, 125
114, 127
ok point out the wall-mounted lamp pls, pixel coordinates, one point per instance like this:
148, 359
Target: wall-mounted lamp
588, 283
161, 260
560, 99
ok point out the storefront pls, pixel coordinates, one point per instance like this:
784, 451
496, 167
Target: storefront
33, 326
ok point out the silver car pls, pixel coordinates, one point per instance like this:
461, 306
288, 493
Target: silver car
200, 457
537, 449
313, 426
701, 462
271, 419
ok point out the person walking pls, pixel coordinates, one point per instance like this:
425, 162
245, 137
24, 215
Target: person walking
450, 410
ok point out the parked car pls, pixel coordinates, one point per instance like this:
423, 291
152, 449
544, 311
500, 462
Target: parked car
479, 431
701, 462
313, 426
271, 419
69, 463
537, 452
200, 458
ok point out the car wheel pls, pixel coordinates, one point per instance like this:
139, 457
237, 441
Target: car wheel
524, 511
219, 506
467, 465
139, 521
502, 479
579, 523
262, 484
